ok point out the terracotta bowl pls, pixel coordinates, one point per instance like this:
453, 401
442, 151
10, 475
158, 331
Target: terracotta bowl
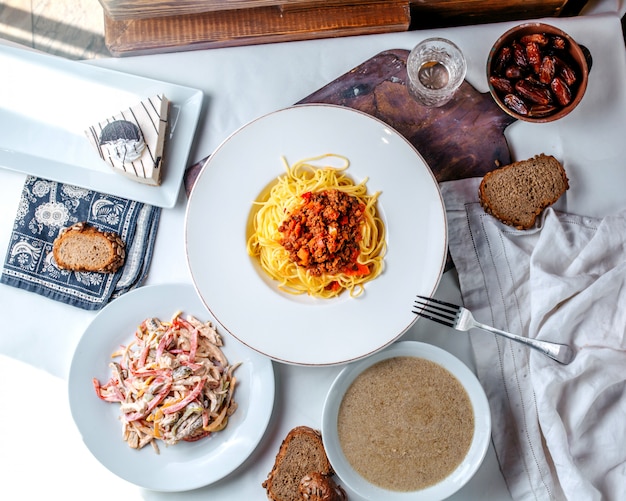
535, 109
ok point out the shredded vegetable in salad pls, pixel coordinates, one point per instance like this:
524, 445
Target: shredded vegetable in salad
173, 382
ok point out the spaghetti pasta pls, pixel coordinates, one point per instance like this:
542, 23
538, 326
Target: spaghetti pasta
318, 232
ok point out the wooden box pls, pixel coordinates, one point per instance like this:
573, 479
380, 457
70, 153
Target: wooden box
268, 22
149, 26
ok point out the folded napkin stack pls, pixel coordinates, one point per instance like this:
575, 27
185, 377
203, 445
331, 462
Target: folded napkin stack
559, 431
45, 208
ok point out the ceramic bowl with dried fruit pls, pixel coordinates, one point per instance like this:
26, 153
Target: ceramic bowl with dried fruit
537, 72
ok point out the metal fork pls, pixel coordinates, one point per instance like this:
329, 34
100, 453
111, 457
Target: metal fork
461, 319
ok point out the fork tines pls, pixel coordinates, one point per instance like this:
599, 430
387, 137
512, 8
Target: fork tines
436, 310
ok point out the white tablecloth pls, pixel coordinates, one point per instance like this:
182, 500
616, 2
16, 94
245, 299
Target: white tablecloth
557, 430
241, 84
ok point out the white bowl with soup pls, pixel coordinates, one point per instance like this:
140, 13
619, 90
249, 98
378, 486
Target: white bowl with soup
409, 422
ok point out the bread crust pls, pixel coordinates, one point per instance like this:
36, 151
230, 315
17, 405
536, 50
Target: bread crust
526, 216
69, 253
292, 466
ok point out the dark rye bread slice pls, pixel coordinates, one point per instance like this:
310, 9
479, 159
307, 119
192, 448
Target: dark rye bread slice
301, 454
82, 247
517, 193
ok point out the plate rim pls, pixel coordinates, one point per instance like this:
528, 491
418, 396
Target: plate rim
258, 420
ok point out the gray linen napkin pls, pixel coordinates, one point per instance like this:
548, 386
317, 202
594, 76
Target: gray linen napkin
559, 431
45, 208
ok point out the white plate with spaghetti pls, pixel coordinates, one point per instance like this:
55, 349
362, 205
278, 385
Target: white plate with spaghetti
184, 465
301, 329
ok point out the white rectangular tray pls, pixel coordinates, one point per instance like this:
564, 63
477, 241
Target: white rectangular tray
47, 102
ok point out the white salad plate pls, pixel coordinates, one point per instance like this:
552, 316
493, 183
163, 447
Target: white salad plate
299, 329
464, 471
47, 103
186, 465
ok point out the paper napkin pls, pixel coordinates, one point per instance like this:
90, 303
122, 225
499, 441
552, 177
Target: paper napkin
559, 431
45, 208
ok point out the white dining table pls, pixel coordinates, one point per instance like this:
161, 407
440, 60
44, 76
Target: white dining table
41, 451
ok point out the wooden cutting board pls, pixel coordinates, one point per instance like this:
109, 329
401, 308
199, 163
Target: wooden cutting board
464, 138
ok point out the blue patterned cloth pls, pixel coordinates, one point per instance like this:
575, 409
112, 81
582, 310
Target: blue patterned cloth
45, 208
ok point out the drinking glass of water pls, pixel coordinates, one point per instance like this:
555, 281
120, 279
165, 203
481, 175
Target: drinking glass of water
436, 68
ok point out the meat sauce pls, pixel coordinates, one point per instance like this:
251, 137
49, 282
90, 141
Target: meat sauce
323, 234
